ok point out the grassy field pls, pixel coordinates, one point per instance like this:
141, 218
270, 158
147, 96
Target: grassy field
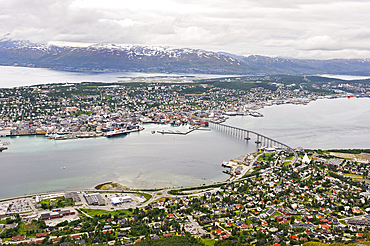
93, 212
208, 242
60, 202
147, 196
352, 175
357, 177
286, 163
265, 156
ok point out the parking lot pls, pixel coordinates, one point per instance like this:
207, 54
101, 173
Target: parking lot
135, 201
54, 222
17, 206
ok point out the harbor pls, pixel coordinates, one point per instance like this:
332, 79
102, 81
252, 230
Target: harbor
142, 159
191, 129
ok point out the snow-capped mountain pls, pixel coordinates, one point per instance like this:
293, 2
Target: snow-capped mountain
119, 58
114, 57
6, 41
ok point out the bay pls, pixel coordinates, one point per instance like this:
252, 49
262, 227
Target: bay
322, 124
138, 160
25, 76
145, 160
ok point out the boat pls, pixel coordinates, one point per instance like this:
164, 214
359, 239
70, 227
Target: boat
116, 133
255, 114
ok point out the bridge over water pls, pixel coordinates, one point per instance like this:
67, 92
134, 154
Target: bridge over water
260, 139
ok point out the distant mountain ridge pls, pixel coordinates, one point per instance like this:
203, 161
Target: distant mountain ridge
112, 57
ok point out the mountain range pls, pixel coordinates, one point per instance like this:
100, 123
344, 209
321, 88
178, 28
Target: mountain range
112, 57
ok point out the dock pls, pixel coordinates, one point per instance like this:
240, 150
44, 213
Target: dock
183, 133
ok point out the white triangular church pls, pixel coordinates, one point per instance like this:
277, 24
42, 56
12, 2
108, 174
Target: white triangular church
306, 159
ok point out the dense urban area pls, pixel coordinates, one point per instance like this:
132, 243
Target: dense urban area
276, 196
92, 109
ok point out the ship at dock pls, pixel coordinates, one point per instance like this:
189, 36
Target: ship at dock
123, 131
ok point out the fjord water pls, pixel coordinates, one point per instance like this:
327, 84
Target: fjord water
145, 160
141, 160
322, 124
25, 76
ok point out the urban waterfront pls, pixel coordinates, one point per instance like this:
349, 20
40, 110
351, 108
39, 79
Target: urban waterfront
141, 160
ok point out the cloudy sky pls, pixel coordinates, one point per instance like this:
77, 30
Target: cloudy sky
318, 29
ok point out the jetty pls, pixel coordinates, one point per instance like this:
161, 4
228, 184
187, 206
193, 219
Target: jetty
183, 133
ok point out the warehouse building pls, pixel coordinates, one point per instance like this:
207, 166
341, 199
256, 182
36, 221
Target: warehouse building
56, 214
119, 200
74, 196
94, 199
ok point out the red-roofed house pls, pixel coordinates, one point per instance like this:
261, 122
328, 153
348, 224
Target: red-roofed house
324, 226
18, 238
44, 234
244, 226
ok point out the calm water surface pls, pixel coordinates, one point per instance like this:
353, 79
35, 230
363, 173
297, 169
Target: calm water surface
24, 76
145, 160
325, 124
141, 160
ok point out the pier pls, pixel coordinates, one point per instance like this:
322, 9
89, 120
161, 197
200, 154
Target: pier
183, 133
246, 134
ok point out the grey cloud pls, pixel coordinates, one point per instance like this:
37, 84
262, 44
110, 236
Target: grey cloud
297, 28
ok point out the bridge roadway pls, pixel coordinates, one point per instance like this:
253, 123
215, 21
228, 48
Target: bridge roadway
243, 133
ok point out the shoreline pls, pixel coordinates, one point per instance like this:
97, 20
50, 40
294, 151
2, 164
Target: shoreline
132, 187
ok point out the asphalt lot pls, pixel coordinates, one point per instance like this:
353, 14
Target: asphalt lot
136, 201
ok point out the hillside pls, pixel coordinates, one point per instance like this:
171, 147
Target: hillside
111, 57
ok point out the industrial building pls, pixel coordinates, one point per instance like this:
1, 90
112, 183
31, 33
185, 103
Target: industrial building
74, 196
56, 214
119, 200
94, 199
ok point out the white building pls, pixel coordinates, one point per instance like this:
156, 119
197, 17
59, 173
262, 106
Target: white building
119, 200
